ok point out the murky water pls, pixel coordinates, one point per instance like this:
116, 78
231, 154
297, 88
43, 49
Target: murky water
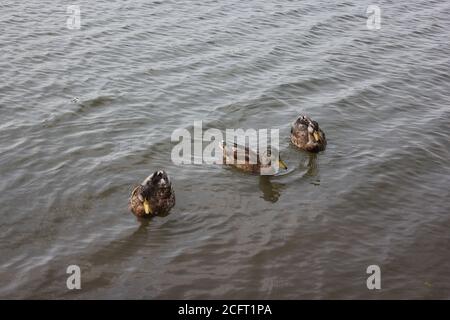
86, 114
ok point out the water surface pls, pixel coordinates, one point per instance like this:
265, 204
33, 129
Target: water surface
86, 114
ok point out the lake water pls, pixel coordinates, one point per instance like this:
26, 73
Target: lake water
88, 113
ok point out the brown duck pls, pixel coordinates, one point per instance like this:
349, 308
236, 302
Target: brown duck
306, 135
154, 196
253, 162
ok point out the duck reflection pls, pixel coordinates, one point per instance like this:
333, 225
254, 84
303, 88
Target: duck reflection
312, 165
271, 191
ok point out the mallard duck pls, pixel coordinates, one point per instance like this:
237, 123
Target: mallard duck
154, 196
306, 135
251, 161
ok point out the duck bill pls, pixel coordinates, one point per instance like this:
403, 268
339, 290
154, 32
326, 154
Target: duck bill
316, 135
147, 207
282, 164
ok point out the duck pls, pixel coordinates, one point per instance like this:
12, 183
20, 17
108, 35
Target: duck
254, 162
306, 135
154, 196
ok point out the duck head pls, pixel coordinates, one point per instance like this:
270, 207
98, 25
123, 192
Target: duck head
151, 185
